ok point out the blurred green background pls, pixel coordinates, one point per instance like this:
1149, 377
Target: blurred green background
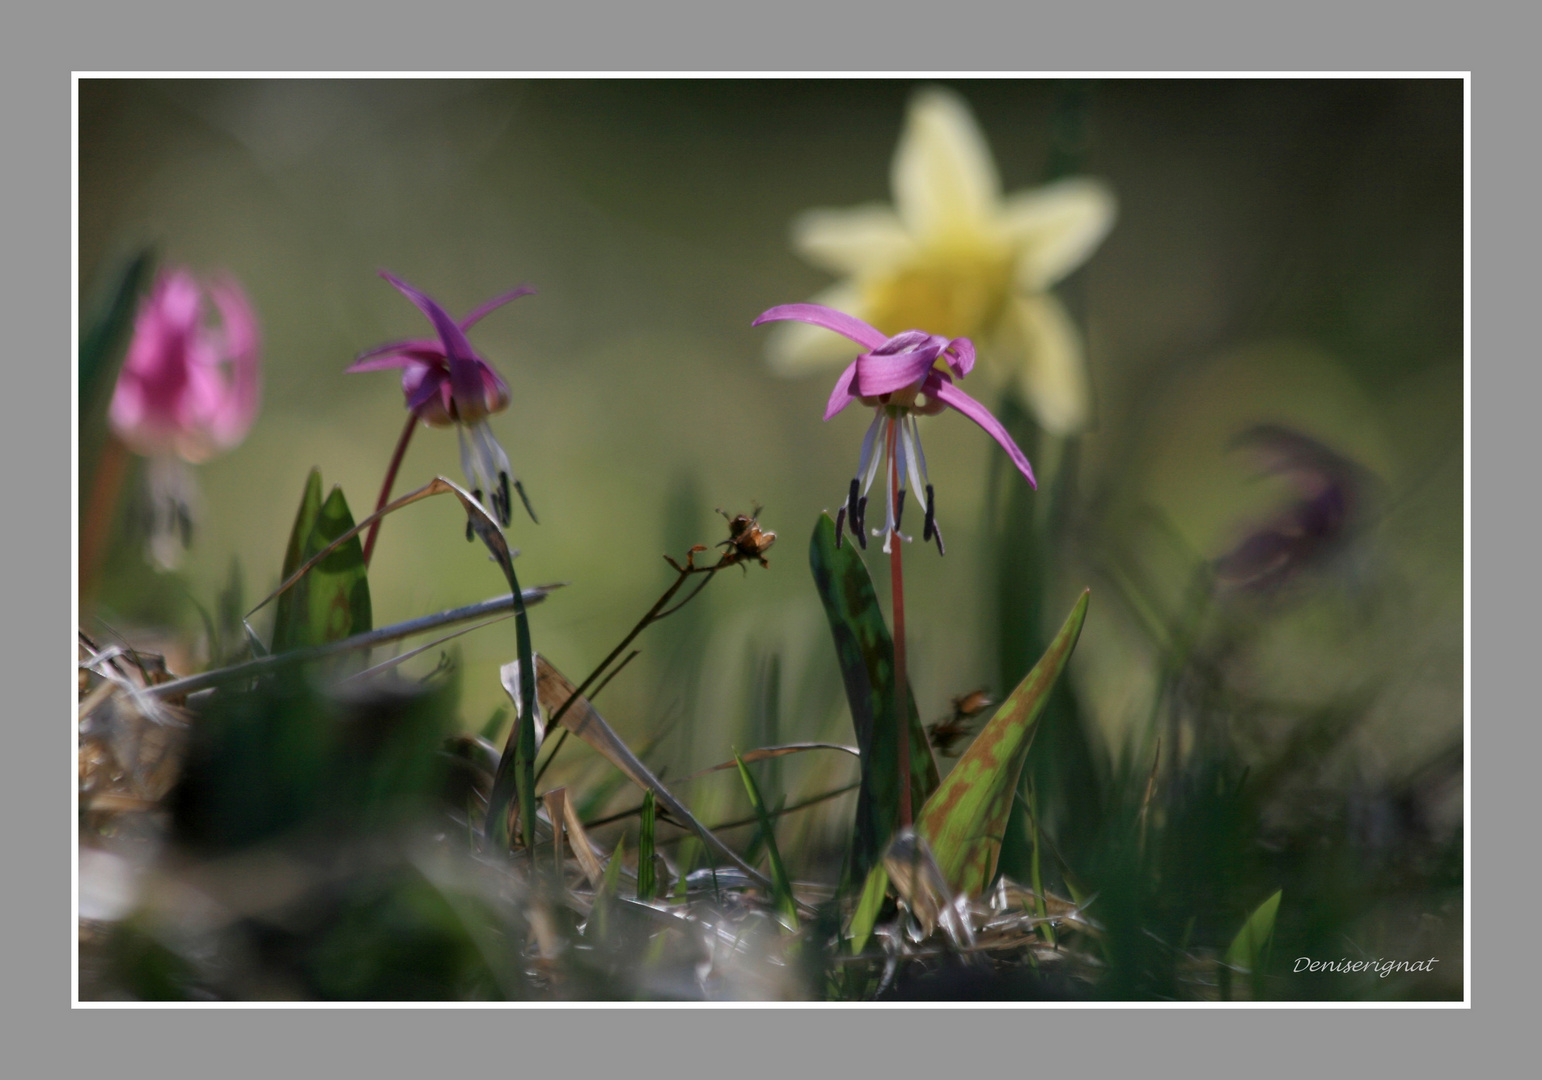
1286, 251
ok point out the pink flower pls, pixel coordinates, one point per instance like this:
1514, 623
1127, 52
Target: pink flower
445, 382
899, 377
187, 387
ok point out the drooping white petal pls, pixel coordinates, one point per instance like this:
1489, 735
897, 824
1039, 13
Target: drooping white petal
867, 442
467, 463
874, 459
1051, 372
796, 348
1056, 227
847, 242
944, 178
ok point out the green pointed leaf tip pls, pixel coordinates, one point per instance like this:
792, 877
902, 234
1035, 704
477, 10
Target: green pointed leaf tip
868, 906
104, 342
780, 882
1247, 948
331, 601
646, 880
865, 652
965, 819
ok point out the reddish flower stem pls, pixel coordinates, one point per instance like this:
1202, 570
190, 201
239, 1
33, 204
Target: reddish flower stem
390, 480
901, 682
111, 467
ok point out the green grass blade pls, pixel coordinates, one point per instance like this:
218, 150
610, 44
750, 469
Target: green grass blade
965, 819
865, 652
102, 343
781, 884
868, 906
646, 880
1248, 947
332, 601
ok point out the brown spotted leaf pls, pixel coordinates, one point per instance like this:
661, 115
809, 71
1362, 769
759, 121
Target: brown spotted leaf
966, 816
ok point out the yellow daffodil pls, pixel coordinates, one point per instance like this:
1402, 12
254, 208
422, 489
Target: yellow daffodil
957, 257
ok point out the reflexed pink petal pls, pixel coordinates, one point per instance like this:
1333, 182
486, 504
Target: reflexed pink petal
237, 408
905, 342
428, 393
495, 392
960, 356
465, 379
841, 397
944, 391
885, 374
188, 386
397, 354
455, 343
829, 318
483, 310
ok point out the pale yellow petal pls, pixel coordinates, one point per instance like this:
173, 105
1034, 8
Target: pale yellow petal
853, 241
945, 183
795, 348
1056, 227
1051, 373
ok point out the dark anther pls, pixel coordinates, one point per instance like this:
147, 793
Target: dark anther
840, 522
859, 519
185, 525
524, 499
899, 508
476, 494
931, 514
505, 506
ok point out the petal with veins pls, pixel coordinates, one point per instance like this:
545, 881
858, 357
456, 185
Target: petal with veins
840, 397
794, 348
955, 398
886, 374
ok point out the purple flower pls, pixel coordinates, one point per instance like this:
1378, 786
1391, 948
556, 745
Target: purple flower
445, 382
899, 377
1307, 532
188, 388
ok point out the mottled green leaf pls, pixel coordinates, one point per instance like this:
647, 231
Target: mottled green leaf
1247, 948
332, 601
781, 884
966, 817
866, 655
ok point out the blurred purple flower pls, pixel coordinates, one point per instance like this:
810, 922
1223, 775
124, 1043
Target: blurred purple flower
187, 387
1307, 531
446, 383
898, 377
187, 390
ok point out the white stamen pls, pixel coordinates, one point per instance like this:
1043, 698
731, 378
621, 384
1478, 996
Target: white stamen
172, 492
914, 456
